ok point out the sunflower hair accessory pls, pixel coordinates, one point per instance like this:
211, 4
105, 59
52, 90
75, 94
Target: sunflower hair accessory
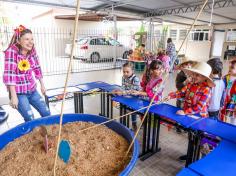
24, 65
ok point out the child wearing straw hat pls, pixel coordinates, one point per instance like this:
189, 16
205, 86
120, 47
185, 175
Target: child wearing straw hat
182, 79
196, 93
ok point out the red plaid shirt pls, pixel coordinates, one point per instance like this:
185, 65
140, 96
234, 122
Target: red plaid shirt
23, 81
196, 98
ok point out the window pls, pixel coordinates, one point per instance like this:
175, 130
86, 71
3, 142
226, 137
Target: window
182, 34
157, 35
82, 41
173, 34
231, 35
114, 42
98, 41
200, 35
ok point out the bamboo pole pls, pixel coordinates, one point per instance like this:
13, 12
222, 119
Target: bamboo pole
66, 83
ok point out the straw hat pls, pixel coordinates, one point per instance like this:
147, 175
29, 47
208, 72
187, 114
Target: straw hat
185, 63
203, 69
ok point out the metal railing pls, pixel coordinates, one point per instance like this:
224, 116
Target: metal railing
97, 53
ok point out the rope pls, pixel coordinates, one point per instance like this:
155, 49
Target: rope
167, 75
66, 83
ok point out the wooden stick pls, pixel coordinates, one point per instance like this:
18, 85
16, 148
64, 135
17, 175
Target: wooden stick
66, 83
167, 75
116, 118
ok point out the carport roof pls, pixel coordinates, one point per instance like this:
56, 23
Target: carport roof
177, 11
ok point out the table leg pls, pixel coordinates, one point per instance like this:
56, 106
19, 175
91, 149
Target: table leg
125, 118
76, 102
108, 106
157, 149
197, 146
101, 103
81, 103
190, 148
144, 149
121, 113
149, 118
146, 152
111, 102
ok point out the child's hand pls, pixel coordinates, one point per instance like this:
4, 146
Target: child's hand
119, 93
134, 92
165, 99
180, 112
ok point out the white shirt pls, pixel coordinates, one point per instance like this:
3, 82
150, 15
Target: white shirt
216, 96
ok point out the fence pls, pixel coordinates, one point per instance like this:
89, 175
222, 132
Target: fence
95, 49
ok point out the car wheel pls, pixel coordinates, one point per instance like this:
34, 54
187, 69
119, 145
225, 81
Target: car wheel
125, 55
95, 57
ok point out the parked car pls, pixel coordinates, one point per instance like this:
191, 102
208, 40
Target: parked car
95, 48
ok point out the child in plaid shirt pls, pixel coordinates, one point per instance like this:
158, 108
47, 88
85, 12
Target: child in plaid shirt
21, 63
197, 93
130, 83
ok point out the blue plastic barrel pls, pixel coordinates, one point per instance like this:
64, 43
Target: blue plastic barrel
25, 128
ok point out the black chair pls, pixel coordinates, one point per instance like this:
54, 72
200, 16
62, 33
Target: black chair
3, 115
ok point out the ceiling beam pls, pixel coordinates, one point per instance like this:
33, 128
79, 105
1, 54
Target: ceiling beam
190, 8
170, 21
189, 18
205, 11
218, 15
108, 4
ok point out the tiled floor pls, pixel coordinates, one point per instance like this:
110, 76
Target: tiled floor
173, 145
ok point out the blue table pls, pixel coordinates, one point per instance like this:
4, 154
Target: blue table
223, 130
169, 112
187, 172
166, 112
85, 90
132, 102
220, 162
53, 95
92, 85
151, 127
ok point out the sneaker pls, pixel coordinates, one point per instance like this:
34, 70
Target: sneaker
178, 130
183, 158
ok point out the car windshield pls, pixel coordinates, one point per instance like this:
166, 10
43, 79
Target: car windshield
114, 42
82, 41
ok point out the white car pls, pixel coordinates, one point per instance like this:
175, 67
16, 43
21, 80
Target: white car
95, 48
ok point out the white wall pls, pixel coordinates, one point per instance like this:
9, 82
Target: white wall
195, 50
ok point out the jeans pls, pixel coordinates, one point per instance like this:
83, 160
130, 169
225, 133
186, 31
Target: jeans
34, 99
213, 115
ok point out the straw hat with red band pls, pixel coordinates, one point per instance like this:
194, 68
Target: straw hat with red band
203, 69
